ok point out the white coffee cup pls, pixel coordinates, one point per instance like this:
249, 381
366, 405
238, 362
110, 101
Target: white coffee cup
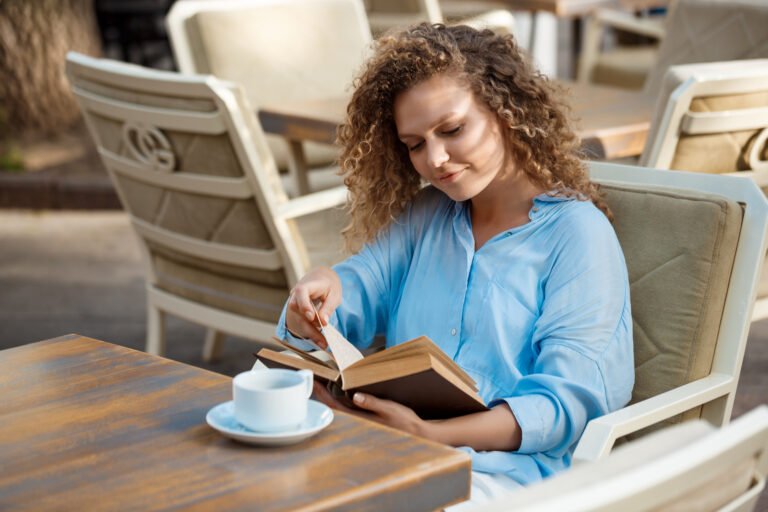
271, 400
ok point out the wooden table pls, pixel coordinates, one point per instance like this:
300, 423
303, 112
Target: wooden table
87, 425
612, 123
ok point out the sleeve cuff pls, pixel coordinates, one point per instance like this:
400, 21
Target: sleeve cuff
532, 413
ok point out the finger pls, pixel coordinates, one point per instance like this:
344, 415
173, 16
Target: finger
321, 393
302, 301
370, 402
309, 330
331, 302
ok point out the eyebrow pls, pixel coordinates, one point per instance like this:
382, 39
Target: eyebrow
440, 121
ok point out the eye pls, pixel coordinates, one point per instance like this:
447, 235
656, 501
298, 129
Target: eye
453, 131
415, 147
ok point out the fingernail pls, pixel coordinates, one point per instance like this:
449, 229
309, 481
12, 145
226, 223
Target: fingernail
358, 398
325, 319
309, 315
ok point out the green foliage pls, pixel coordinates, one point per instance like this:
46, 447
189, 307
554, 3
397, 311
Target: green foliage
10, 157
10, 154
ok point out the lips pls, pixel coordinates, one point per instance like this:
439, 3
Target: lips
449, 177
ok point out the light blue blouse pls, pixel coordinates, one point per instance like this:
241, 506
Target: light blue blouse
539, 316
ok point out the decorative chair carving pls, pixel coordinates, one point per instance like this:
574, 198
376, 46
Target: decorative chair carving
222, 242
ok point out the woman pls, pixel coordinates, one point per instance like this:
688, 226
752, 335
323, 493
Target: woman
506, 261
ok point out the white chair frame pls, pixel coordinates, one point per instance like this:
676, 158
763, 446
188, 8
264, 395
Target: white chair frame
663, 481
715, 392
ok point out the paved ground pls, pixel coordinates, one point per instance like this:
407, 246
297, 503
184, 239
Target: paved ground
80, 272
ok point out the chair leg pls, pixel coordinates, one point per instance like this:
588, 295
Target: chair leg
155, 330
214, 342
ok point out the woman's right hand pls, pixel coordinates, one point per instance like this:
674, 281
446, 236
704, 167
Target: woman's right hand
319, 285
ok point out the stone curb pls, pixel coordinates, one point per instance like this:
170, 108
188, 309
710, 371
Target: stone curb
43, 192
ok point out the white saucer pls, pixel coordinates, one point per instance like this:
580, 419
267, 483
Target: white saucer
222, 418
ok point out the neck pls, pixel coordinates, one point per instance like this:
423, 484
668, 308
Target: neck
507, 201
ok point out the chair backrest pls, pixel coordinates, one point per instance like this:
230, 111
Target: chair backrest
710, 30
189, 162
692, 466
386, 14
712, 118
694, 247
278, 50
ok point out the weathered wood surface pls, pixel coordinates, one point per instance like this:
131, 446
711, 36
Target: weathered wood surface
87, 425
612, 122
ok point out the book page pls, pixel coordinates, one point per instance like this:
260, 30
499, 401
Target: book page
318, 356
343, 351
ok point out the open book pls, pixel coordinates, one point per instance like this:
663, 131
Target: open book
416, 374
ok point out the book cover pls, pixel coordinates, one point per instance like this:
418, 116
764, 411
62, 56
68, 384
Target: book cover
417, 374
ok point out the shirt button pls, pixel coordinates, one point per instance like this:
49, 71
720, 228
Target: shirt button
535, 209
453, 332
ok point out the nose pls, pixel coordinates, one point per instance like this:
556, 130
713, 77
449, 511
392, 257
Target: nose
437, 154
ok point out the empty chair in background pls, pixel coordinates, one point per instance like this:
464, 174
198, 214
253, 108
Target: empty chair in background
713, 118
693, 31
223, 244
278, 50
384, 15
617, 63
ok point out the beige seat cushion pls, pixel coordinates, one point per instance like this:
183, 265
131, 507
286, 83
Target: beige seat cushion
249, 292
678, 280
719, 152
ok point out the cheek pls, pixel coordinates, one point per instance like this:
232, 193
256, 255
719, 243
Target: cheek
484, 148
418, 163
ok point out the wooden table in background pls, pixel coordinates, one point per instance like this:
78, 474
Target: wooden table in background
612, 122
87, 425
576, 7
572, 9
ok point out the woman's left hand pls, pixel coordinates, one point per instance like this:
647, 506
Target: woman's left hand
379, 410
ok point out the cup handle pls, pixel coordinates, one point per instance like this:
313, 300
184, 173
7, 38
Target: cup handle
308, 380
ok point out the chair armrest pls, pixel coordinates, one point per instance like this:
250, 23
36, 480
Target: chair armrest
311, 203
601, 433
759, 177
651, 27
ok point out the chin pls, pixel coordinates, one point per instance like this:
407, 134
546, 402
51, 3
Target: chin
457, 195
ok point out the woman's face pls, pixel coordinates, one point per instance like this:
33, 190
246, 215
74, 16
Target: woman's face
453, 140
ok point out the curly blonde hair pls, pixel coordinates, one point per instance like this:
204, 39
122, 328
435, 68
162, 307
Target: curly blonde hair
532, 114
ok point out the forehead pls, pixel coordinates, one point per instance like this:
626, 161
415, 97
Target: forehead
431, 101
